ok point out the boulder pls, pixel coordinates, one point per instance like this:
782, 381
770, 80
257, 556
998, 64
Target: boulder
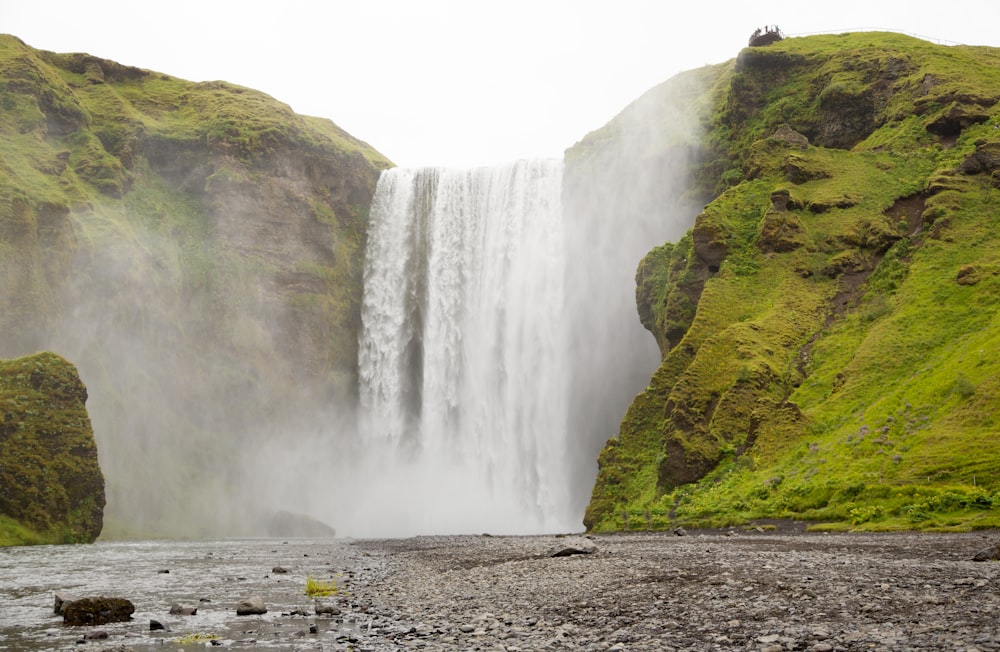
97, 611
253, 606
62, 599
52, 484
988, 554
573, 547
787, 134
156, 625
323, 609
179, 610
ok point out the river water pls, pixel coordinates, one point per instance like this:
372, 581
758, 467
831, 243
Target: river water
212, 576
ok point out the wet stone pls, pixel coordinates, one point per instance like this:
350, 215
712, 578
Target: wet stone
253, 606
97, 611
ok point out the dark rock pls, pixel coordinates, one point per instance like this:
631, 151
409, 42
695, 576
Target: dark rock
279, 570
780, 199
164, 571
99, 635
326, 610
847, 115
679, 531
155, 625
97, 611
988, 554
957, 117
576, 547
986, 159
788, 135
178, 610
253, 606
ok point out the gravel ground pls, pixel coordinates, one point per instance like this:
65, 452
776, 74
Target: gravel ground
770, 591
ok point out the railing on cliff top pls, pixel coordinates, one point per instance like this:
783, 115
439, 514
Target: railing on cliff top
985, 49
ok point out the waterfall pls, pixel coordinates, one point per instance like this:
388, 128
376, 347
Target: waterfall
463, 359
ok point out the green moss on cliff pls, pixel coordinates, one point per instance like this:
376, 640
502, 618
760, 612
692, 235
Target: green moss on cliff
51, 487
839, 363
196, 247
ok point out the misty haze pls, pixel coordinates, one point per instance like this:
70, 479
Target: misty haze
213, 319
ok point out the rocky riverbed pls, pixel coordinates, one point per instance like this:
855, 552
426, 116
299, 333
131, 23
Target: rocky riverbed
721, 591
741, 590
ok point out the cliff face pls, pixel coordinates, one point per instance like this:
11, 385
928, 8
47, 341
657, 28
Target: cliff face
829, 325
195, 248
51, 487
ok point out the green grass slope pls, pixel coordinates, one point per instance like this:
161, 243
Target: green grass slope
830, 325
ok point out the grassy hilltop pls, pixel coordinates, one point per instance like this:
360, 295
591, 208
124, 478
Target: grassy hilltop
830, 326
196, 250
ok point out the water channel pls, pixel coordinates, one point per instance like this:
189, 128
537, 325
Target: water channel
212, 576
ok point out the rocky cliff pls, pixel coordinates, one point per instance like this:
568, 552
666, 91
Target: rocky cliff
51, 487
828, 327
195, 248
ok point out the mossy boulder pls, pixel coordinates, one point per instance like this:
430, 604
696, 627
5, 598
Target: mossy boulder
52, 485
97, 611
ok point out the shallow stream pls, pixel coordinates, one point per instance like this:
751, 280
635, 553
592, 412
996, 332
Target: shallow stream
153, 575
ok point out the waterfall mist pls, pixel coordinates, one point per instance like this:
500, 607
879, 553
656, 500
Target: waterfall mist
499, 342
189, 380
628, 187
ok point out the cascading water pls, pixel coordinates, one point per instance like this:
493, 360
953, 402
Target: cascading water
463, 361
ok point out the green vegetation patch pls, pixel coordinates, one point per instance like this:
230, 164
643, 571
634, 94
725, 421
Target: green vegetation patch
836, 362
320, 588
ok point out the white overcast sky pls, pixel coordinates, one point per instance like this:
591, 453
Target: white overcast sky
458, 82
